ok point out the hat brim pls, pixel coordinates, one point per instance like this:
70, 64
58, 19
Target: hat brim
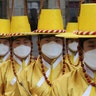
2, 35
67, 35
87, 36
45, 32
72, 35
22, 33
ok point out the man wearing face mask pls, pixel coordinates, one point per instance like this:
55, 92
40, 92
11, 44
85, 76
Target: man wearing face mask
82, 81
72, 45
47, 48
85, 77
21, 47
20, 54
72, 51
50, 64
4, 40
4, 49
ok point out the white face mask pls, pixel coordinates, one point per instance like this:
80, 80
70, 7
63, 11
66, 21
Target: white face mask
90, 59
3, 49
22, 51
73, 46
52, 49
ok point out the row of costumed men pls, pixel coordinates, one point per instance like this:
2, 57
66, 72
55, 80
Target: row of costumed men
62, 68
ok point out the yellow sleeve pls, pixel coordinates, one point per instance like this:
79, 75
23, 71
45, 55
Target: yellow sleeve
23, 86
1, 85
60, 86
70, 84
3, 68
4, 91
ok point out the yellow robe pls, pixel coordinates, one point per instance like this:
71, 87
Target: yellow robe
32, 77
71, 84
7, 77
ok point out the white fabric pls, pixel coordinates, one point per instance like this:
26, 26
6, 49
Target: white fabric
13, 81
89, 72
76, 57
5, 57
73, 46
45, 63
3, 49
69, 52
52, 49
87, 92
43, 79
20, 62
90, 59
22, 51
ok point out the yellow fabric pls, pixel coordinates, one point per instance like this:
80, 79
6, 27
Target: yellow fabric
84, 19
20, 24
70, 84
32, 75
6, 77
5, 26
72, 60
72, 66
50, 19
71, 27
23, 64
67, 35
87, 9
93, 90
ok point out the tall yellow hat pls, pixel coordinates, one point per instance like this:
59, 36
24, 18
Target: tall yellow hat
87, 21
50, 22
71, 28
20, 26
4, 27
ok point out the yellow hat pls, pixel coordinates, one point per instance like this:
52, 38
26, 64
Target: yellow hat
20, 26
50, 22
4, 27
87, 21
70, 31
